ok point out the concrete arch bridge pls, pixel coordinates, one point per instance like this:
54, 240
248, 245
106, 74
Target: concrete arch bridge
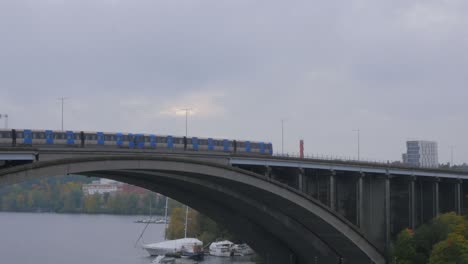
288, 210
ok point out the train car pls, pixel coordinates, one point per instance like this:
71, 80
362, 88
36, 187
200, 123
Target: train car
28, 137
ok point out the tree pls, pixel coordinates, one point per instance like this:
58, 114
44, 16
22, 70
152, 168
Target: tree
452, 250
176, 225
441, 241
404, 251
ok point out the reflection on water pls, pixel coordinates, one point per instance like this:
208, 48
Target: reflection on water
81, 239
217, 260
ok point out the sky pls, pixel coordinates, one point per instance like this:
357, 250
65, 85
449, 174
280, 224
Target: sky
394, 70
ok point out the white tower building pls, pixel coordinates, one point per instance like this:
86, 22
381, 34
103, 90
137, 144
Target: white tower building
421, 153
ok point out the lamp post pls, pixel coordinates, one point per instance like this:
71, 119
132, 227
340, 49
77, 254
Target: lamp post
186, 118
62, 99
451, 155
5, 116
282, 136
186, 221
358, 144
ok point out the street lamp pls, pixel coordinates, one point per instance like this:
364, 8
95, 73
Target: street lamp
62, 99
358, 143
186, 221
187, 110
451, 155
5, 116
282, 136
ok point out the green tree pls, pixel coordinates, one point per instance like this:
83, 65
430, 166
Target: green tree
176, 228
440, 241
452, 250
91, 203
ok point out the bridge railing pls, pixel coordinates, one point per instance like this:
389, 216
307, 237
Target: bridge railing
334, 158
354, 160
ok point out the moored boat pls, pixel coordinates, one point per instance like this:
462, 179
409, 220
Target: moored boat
184, 246
242, 250
163, 260
221, 248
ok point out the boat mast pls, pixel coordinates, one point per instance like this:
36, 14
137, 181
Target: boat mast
186, 217
165, 220
150, 206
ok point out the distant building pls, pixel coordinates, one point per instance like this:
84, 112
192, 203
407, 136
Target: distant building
112, 187
420, 153
101, 187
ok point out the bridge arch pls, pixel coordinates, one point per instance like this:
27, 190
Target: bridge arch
281, 224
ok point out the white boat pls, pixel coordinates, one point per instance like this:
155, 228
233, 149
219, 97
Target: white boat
221, 248
183, 246
186, 247
163, 260
242, 250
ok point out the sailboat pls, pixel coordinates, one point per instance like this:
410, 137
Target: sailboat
188, 247
150, 219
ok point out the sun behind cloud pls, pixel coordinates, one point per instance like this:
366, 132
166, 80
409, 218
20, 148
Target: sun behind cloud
203, 104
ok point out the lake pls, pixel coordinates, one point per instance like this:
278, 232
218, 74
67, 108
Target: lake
43, 238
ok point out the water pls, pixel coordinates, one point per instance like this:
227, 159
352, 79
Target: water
38, 238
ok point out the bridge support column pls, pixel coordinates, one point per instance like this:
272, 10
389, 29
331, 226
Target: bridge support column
300, 180
436, 208
360, 200
268, 172
458, 196
387, 212
412, 202
332, 198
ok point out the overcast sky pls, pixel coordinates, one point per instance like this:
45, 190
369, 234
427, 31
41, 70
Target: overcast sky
396, 70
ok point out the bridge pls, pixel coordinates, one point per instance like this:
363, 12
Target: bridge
289, 210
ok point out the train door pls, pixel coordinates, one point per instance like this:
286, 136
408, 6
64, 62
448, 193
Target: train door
131, 140
247, 146
119, 139
170, 142
195, 143
152, 141
140, 141
262, 147
49, 136
70, 138
226, 145
27, 137
210, 144
100, 138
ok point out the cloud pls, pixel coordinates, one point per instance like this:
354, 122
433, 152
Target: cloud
434, 15
394, 69
202, 104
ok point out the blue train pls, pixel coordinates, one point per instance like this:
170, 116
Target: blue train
28, 137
